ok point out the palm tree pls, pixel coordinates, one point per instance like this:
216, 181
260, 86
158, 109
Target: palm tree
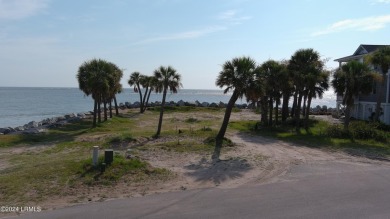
135, 80
237, 75
272, 72
116, 75
149, 84
167, 79
302, 63
317, 84
93, 81
380, 59
101, 79
349, 81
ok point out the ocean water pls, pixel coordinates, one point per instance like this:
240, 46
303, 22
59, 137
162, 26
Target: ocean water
19, 106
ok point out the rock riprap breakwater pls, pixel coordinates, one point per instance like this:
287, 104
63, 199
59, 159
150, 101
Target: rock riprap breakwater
34, 127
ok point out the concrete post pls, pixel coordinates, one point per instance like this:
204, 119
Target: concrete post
95, 155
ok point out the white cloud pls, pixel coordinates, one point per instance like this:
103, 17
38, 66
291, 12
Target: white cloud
185, 35
228, 17
18, 9
382, 1
362, 24
231, 17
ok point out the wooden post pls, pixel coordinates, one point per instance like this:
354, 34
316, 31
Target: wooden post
95, 155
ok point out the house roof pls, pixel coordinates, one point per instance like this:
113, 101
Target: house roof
362, 50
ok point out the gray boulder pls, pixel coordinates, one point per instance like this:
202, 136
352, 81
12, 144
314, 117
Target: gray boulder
190, 104
136, 104
180, 103
33, 124
128, 105
122, 106
5, 130
205, 104
81, 115
70, 115
213, 105
59, 118
75, 119
19, 128
198, 104
221, 104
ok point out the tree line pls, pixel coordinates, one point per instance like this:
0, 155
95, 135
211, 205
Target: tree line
101, 79
302, 77
269, 85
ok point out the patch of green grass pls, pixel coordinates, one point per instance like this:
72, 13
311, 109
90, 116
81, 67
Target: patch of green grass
236, 110
170, 109
243, 126
192, 120
120, 140
33, 177
185, 146
37, 176
91, 175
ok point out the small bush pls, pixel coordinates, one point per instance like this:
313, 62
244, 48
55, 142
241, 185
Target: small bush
206, 129
358, 130
337, 131
366, 131
192, 120
225, 143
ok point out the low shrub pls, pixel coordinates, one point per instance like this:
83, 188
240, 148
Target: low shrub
337, 131
358, 130
366, 131
192, 120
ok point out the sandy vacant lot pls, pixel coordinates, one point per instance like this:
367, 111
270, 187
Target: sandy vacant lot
253, 160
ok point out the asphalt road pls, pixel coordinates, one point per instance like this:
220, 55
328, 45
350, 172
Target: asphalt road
321, 190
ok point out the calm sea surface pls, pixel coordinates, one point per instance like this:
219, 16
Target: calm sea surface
22, 105
19, 106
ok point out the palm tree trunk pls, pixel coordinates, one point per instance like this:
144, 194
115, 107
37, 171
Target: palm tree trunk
140, 98
143, 105
294, 106
264, 111
277, 112
94, 113
116, 106
147, 100
222, 130
309, 98
379, 98
304, 105
110, 107
347, 116
161, 112
271, 106
99, 112
298, 112
286, 98
105, 110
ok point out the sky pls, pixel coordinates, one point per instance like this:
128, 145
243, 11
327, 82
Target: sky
43, 42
